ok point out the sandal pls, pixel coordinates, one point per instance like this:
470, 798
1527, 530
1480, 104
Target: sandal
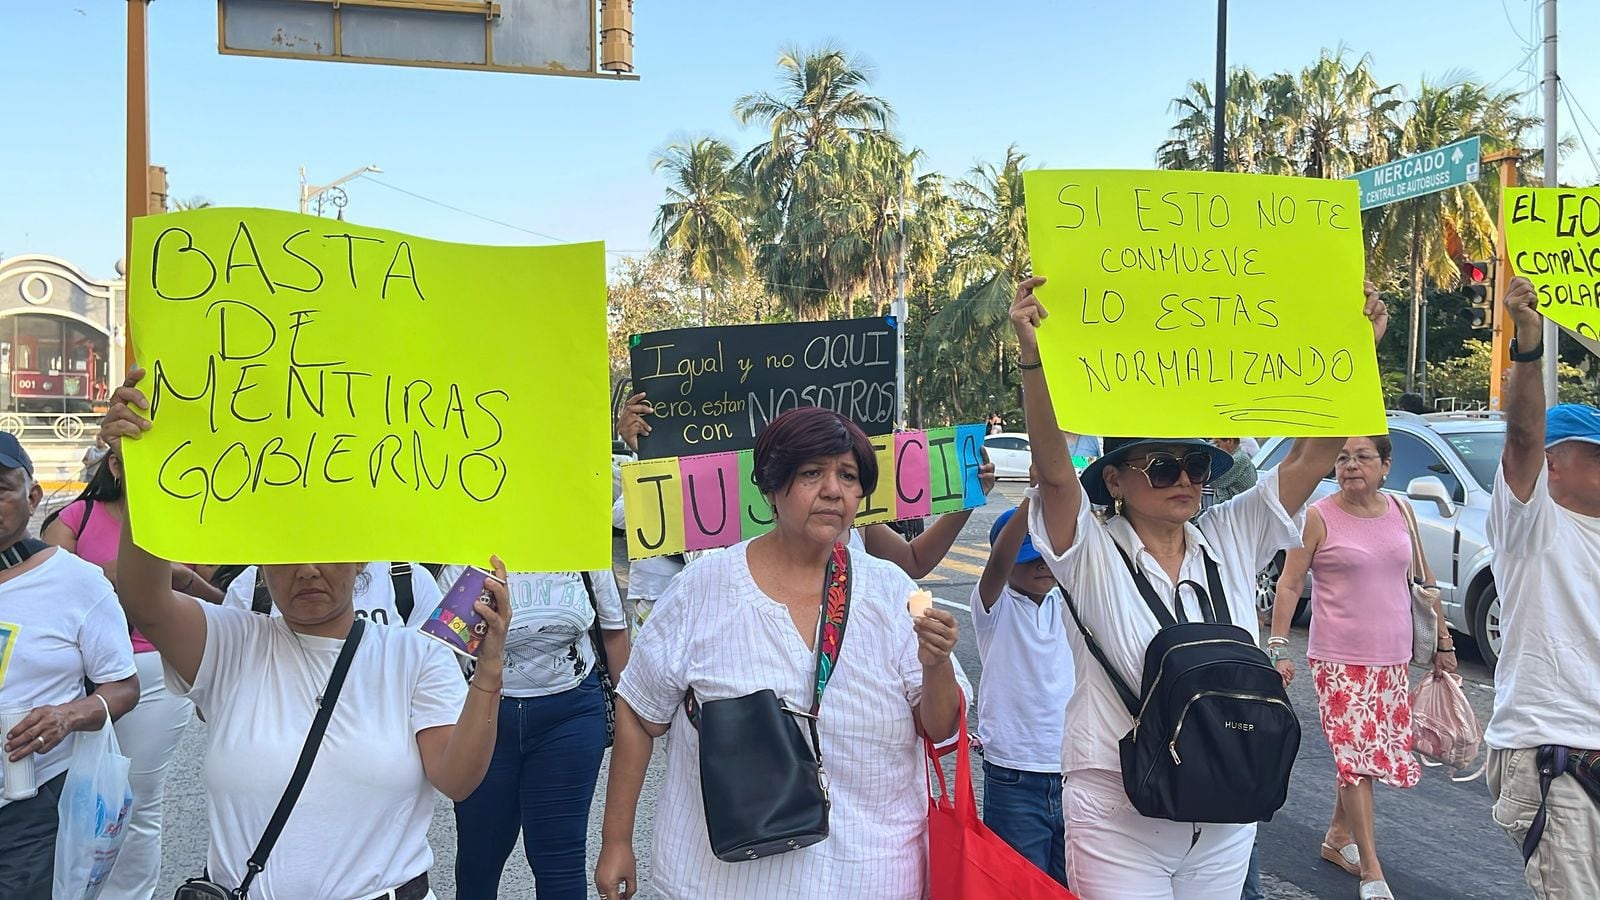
1347, 858
1375, 890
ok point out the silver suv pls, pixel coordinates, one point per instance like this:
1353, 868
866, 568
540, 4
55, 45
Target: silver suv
1445, 464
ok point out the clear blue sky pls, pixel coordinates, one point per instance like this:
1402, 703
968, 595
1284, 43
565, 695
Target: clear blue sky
1079, 83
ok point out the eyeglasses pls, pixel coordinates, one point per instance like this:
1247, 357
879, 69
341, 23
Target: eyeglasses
1163, 469
1365, 459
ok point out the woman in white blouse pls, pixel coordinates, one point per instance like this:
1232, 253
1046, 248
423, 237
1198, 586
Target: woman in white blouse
1152, 487
744, 620
405, 725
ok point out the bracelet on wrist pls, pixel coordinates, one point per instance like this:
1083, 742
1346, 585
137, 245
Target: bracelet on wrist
474, 684
1029, 367
1277, 641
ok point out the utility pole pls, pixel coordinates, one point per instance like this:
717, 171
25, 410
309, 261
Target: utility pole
138, 136
1552, 84
1219, 128
900, 318
1500, 341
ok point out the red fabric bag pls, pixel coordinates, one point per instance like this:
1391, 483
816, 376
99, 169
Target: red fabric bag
966, 860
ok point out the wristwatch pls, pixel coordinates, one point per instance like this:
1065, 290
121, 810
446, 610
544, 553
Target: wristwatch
1518, 355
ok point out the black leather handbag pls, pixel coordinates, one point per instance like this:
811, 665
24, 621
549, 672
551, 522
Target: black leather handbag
764, 787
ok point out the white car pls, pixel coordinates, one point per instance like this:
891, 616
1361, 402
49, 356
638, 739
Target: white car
1010, 454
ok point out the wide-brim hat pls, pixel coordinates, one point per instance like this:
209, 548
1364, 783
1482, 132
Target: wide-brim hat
1118, 449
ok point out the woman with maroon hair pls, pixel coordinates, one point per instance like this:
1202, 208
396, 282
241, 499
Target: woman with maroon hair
751, 618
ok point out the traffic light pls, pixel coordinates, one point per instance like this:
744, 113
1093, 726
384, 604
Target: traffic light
1476, 278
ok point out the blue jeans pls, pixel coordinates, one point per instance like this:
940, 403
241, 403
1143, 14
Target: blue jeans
1024, 809
540, 782
1252, 875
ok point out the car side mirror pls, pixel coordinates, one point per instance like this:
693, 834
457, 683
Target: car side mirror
1430, 488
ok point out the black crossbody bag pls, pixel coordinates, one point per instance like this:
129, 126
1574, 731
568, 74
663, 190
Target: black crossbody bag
764, 788
203, 888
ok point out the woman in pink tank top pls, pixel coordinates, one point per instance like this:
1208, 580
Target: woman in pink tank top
1358, 547
91, 528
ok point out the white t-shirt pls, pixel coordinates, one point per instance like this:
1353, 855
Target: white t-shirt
1547, 567
361, 825
1027, 679
1242, 535
716, 632
61, 623
548, 650
374, 594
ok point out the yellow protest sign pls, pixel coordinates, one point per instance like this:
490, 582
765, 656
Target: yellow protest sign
1197, 304
1553, 239
326, 392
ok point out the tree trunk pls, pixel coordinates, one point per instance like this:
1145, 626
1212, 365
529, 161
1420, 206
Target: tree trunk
702, 305
1416, 296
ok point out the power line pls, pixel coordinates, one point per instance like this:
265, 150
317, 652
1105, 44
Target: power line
464, 212
1567, 96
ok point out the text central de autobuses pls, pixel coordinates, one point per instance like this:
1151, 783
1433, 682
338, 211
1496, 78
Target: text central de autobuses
433, 436
1185, 219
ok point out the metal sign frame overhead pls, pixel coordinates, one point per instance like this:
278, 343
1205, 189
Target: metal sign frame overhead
266, 28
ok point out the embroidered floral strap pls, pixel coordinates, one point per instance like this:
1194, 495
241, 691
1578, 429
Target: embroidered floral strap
835, 612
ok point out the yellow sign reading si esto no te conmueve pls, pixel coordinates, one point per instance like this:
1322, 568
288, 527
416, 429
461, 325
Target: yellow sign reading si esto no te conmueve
326, 392
1186, 303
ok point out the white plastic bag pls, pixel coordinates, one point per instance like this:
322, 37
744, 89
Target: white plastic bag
1444, 730
94, 813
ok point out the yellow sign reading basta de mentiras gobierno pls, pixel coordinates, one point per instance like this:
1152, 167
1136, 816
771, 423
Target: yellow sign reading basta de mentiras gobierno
327, 392
1200, 304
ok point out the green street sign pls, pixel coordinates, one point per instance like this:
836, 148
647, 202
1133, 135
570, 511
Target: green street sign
1415, 176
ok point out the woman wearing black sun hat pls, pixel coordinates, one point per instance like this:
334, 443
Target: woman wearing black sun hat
1145, 567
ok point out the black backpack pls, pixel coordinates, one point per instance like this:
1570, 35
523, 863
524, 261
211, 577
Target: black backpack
399, 573
1214, 737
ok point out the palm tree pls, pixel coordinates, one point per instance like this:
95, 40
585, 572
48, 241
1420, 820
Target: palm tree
1332, 115
814, 182
1426, 238
702, 222
1252, 141
195, 202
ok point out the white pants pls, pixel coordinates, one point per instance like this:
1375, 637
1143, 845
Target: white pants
1113, 853
148, 736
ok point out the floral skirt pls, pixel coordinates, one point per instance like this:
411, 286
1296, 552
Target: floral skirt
1366, 717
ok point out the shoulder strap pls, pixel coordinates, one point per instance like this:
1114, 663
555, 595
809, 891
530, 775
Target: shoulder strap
1129, 698
1164, 616
594, 629
261, 598
405, 599
83, 524
1415, 571
835, 615
308, 755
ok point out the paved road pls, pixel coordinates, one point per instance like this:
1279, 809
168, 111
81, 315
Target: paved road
1437, 841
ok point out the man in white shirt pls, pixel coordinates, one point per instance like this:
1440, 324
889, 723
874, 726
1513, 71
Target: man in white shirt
1544, 526
400, 594
1027, 679
60, 625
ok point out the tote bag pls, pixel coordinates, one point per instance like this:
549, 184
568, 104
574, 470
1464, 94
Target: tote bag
966, 860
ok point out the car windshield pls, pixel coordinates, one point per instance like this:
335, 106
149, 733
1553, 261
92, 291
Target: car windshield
1480, 450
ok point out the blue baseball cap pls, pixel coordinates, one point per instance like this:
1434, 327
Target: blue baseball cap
1027, 553
1571, 422
12, 456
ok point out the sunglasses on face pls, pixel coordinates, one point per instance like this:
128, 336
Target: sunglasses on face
1162, 470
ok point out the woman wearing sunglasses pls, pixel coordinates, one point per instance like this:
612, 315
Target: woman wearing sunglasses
1151, 488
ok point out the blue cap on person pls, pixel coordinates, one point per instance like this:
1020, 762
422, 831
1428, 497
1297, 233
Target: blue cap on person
1026, 553
1571, 422
12, 456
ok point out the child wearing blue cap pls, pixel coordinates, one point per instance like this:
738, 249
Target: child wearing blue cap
1027, 679
1544, 526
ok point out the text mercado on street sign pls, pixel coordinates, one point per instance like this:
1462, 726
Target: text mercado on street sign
1418, 175
323, 391
1203, 304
